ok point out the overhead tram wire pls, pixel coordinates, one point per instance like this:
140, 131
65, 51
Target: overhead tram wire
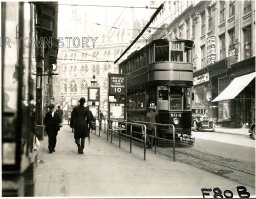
141, 33
117, 6
88, 60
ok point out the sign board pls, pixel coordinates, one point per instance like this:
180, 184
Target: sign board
117, 84
116, 110
93, 94
201, 79
211, 55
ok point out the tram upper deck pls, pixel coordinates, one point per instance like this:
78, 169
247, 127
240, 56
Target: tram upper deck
168, 62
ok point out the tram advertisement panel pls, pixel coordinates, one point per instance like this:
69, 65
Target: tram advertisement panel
116, 110
117, 84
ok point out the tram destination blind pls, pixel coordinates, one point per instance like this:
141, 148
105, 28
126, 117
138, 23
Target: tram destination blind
117, 84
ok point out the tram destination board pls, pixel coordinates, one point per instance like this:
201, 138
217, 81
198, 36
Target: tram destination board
117, 84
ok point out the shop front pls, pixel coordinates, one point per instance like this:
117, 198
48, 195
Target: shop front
201, 94
236, 102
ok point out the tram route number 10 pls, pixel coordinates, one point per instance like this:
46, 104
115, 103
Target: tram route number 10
217, 193
118, 90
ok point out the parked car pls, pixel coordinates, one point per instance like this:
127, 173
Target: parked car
202, 123
252, 131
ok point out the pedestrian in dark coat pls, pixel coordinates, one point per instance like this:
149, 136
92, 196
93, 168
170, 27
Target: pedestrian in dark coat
52, 122
80, 121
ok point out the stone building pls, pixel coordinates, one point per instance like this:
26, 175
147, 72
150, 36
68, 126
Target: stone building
223, 53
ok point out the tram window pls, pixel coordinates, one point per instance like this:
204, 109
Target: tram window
187, 99
175, 98
163, 95
176, 102
161, 53
177, 56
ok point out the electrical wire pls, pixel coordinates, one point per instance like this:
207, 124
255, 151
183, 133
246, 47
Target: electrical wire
117, 6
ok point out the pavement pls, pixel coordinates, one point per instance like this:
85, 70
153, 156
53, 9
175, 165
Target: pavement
105, 170
236, 131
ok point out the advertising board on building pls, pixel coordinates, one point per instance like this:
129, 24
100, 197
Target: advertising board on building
201, 79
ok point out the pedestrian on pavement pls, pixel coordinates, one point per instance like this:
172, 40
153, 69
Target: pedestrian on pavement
69, 117
80, 121
59, 111
100, 119
151, 118
52, 126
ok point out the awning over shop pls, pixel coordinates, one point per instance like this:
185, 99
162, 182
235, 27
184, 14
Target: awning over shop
235, 87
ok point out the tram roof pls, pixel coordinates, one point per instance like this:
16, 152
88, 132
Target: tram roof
188, 46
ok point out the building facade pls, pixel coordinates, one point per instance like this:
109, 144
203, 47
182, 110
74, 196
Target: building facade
224, 51
80, 68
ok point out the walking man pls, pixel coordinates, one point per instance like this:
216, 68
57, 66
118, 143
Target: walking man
80, 121
151, 117
59, 111
52, 122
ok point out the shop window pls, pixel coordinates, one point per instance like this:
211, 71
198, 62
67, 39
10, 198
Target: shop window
224, 111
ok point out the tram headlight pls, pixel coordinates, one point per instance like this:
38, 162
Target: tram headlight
176, 121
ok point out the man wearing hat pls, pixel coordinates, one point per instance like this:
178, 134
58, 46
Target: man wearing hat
52, 126
80, 121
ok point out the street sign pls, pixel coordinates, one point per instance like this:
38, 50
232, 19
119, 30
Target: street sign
117, 84
93, 94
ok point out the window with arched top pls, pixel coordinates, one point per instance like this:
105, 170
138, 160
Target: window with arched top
98, 69
65, 87
73, 86
86, 68
93, 68
106, 84
82, 70
71, 56
83, 87
105, 67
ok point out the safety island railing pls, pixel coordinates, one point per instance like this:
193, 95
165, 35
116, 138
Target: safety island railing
125, 129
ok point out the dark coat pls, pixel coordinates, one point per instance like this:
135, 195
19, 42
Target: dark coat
81, 120
52, 123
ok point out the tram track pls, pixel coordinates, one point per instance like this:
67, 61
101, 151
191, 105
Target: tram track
235, 170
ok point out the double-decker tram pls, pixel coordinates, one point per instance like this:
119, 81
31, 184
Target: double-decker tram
160, 75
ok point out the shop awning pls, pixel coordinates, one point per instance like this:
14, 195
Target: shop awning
235, 87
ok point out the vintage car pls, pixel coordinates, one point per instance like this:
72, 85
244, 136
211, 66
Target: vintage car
202, 123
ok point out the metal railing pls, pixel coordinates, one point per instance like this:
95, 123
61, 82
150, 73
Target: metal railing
159, 138
115, 126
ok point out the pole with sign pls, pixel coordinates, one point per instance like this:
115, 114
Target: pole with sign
116, 96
